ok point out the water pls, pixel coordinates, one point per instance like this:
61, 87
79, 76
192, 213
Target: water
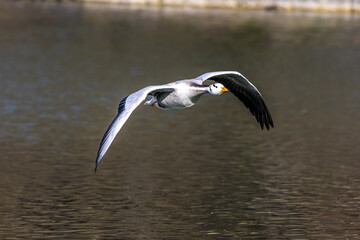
207, 172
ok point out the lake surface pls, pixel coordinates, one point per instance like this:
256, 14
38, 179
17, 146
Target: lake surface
208, 172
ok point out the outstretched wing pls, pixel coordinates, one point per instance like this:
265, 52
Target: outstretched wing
245, 91
126, 107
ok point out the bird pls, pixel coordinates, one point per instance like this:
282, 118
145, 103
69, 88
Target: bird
184, 94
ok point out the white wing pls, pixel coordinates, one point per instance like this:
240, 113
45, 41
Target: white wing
208, 75
126, 107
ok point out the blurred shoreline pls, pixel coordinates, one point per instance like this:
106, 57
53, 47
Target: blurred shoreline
270, 5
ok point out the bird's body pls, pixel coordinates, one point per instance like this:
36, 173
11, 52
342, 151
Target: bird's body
185, 93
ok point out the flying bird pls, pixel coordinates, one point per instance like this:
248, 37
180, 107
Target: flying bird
185, 93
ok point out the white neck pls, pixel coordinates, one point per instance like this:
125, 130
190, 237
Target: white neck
204, 89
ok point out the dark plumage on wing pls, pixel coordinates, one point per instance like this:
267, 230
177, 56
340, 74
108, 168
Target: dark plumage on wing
184, 94
248, 94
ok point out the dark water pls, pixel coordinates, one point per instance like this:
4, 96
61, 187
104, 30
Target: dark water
207, 172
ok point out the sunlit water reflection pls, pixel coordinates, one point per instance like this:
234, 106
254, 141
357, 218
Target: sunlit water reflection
207, 172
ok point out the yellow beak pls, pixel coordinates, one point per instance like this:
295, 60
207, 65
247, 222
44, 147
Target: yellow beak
223, 89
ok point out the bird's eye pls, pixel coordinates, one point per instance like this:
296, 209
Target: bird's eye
215, 86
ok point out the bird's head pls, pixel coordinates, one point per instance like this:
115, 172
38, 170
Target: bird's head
217, 89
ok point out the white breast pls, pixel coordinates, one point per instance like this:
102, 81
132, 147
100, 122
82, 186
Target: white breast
180, 98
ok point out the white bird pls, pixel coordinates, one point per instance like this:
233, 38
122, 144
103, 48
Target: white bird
185, 93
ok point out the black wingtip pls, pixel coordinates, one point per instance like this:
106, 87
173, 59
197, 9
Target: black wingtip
265, 120
269, 125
